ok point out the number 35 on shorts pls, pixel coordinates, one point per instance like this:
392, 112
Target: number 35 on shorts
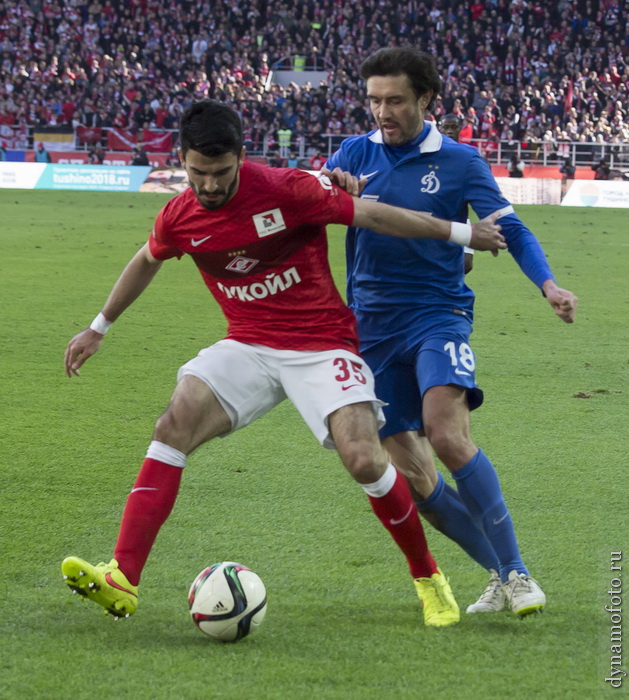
349, 369
461, 357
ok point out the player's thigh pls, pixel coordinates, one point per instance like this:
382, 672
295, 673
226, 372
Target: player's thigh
447, 424
446, 406
193, 416
245, 384
320, 383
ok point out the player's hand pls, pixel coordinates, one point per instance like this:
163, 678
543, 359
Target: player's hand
563, 301
346, 181
82, 346
486, 235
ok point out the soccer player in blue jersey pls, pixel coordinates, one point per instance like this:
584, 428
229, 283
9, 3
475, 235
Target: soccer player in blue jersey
415, 313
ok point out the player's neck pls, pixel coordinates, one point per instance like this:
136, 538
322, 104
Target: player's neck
412, 144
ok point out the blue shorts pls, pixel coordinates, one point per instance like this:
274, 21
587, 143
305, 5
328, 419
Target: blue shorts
408, 363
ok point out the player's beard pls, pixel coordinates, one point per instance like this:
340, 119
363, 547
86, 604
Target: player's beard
227, 194
398, 138
401, 135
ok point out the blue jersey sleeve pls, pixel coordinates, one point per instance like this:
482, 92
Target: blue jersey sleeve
337, 160
485, 198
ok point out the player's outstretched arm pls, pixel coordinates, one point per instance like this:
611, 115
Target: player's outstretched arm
134, 279
563, 301
405, 223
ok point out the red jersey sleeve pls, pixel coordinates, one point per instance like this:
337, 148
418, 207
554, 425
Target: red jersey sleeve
317, 200
158, 245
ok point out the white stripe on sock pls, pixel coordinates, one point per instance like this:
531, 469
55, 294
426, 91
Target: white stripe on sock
383, 485
167, 454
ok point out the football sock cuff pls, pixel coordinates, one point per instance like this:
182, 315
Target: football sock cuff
383, 485
167, 454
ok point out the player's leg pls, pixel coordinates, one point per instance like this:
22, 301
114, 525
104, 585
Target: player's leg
192, 417
436, 500
342, 412
412, 455
446, 421
209, 400
397, 385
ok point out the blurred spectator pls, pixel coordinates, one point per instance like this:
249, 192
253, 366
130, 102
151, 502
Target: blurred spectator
317, 161
3, 152
467, 131
140, 156
173, 160
567, 170
516, 166
284, 136
42, 155
274, 160
96, 155
601, 170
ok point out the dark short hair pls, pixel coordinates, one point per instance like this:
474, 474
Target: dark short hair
417, 65
211, 128
452, 118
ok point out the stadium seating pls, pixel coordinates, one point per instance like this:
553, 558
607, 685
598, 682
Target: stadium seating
543, 76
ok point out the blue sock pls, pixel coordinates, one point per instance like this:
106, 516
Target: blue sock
454, 521
479, 489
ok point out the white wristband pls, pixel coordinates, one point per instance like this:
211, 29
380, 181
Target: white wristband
100, 324
460, 233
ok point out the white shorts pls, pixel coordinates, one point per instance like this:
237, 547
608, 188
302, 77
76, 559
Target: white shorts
249, 380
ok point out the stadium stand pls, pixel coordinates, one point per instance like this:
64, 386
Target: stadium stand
549, 81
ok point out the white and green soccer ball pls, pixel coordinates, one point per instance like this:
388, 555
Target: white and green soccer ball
227, 601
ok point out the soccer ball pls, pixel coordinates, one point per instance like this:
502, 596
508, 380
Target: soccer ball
227, 601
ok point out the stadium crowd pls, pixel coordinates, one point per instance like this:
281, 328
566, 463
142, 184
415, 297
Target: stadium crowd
515, 70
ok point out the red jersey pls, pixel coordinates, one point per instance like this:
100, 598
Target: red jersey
264, 257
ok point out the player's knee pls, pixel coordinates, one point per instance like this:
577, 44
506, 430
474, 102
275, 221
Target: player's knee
361, 462
422, 484
172, 431
448, 443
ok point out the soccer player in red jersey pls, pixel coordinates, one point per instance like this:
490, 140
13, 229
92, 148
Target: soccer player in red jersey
258, 237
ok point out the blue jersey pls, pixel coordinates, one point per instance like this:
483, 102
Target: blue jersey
433, 174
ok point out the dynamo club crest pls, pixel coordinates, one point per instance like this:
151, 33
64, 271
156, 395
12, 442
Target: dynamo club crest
430, 182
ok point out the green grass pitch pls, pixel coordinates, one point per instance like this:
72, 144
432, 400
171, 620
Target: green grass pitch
343, 619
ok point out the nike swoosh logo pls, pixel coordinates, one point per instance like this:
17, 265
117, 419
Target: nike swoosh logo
460, 371
366, 177
349, 386
201, 240
113, 584
143, 488
497, 522
401, 520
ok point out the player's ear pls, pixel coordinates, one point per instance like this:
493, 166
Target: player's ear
242, 156
424, 100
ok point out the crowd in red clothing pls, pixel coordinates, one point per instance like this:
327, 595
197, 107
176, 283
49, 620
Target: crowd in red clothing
515, 69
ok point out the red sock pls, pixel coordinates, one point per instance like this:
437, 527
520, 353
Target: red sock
397, 512
148, 506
